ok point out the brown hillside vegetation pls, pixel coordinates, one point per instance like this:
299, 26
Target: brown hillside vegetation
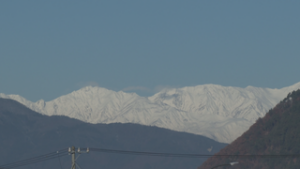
278, 133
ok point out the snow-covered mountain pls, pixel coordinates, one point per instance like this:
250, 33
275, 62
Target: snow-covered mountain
218, 112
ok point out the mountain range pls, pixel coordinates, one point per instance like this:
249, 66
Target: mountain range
218, 112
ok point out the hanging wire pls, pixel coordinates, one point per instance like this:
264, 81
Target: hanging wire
36, 159
188, 155
65, 152
59, 161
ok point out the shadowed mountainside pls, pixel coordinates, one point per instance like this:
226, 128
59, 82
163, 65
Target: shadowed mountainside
26, 134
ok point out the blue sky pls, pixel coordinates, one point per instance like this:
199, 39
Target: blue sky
51, 48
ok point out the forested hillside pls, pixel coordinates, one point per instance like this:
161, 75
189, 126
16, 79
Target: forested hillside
278, 133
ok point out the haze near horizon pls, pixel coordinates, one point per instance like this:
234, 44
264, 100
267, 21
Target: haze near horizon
49, 49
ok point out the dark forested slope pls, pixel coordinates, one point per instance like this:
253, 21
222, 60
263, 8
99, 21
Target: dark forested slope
278, 133
25, 134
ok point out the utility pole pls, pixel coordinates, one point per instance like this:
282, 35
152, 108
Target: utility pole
73, 157
73, 152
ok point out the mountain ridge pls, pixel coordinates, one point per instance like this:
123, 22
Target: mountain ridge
218, 112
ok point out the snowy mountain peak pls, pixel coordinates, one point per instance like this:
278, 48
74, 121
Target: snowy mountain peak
218, 112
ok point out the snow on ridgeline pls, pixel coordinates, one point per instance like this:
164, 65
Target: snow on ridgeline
218, 112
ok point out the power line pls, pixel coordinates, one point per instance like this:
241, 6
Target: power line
149, 153
188, 155
19, 165
60, 163
14, 165
36, 159
65, 152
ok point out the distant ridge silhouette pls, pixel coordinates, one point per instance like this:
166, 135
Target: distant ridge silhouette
25, 134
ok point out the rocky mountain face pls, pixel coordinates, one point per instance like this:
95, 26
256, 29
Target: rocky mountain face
218, 112
26, 134
276, 134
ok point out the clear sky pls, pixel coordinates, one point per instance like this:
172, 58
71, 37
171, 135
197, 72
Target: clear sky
51, 48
